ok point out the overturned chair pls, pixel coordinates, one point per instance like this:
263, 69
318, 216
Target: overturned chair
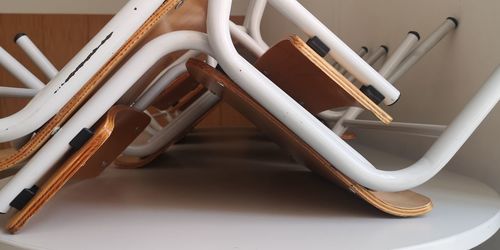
95, 121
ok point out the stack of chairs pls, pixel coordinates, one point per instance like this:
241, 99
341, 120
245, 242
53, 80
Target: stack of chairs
160, 66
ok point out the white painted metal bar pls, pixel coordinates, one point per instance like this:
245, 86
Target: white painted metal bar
388, 68
79, 70
248, 15
255, 23
324, 141
17, 92
172, 72
98, 105
150, 130
246, 40
212, 61
393, 72
149, 97
351, 114
373, 58
403, 50
36, 55
427, 130
19, 71
159, 83
361, 53
331, 115
155, 125
379, 53
296, 13
449, 25
194, 112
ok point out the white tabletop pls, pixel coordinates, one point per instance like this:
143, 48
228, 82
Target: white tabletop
247, 195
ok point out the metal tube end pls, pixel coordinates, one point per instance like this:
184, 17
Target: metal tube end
454, 20
415, 33
19, 35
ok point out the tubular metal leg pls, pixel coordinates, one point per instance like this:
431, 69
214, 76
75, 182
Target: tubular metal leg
19, 71
400, 63
194, 112
449, 25
389, 66
97, 106
296, 13
36, 55
361, 53
324, 141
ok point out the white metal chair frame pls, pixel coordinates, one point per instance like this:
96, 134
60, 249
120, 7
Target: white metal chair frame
398, 64
406, 52
219, 45
323, 140
78, 71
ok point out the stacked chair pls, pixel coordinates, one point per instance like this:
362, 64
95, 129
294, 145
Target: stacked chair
160, 66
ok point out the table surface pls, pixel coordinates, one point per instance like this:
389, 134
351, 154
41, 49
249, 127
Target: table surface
249, 195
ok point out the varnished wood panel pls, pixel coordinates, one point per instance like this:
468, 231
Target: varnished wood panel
10, 25
63, 37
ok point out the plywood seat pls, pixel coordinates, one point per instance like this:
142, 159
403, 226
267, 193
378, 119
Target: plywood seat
298, 71
404, 204
290, 64
95, 155
169, 17
311, 81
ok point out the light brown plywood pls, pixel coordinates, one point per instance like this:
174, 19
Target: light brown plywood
341, 81
119, 128
403, 204
44, 133
311, 81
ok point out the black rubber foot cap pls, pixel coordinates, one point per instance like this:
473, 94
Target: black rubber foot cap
23, 198
415, 33
454, 20
80, 139
19, 36
372, 93
317, 45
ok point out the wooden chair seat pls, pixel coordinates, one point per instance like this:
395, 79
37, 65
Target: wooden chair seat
311, 81
403, 204
169, 17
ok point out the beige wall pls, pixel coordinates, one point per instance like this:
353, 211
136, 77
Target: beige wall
439, 86
61, 6
77, 6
